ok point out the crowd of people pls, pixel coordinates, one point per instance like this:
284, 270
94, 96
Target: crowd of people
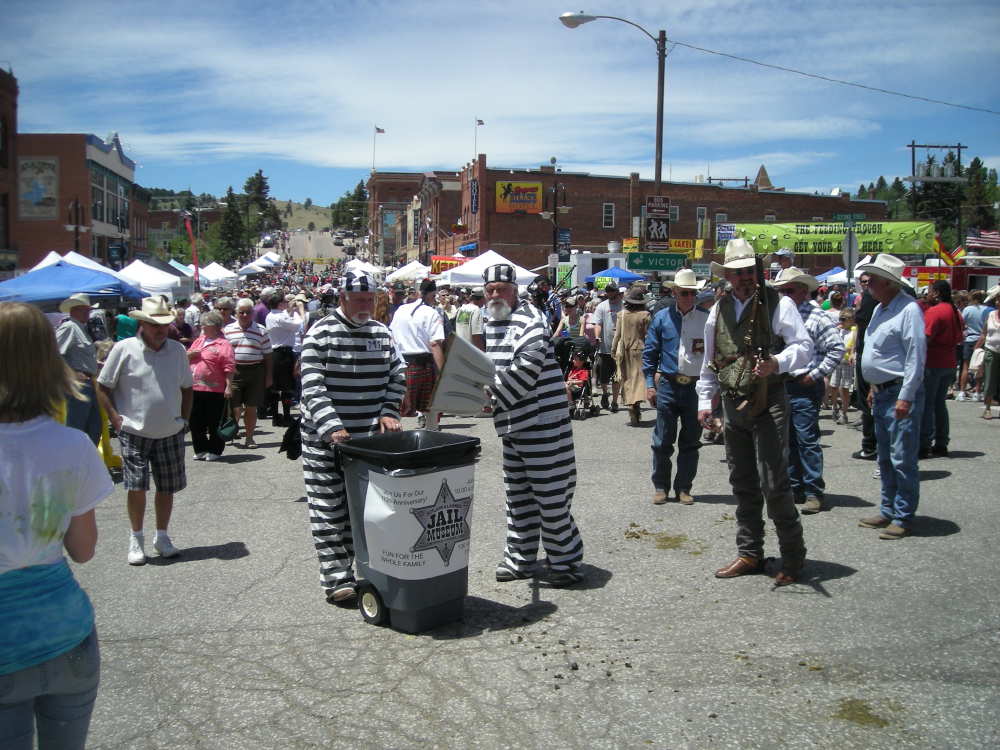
746, 361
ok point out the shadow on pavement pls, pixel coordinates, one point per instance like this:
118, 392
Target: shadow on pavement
847, 501
238, 458
930, 526
717, 499
458, 426
268, 445
814, 574
965, 454
227, 551
931, 474
483, 615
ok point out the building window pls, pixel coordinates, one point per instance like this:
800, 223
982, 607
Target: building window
721, 218
770, 218
97, 203
609, 216
675, 212
702, 214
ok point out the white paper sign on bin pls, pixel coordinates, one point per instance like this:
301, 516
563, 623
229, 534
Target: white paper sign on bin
418, 527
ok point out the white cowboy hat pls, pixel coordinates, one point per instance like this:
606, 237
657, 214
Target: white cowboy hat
885, 266
993, 293
739, 254
154, 310
77, 300
793, 275
685, 279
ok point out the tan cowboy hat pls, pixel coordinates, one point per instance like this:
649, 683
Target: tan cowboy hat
739, 254
793, 275
154, 310
77, 300
685, 279
636, 295
885, 266
992, 294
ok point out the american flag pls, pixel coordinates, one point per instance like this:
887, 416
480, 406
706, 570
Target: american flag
379, 130
987, 240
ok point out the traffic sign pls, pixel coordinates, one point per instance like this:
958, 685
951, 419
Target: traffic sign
657, 231
655, 261
701, 269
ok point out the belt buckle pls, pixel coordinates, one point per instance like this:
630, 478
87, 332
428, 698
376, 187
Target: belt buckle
682, 379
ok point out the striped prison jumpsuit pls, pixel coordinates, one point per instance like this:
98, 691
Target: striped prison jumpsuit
531, 416
351, 376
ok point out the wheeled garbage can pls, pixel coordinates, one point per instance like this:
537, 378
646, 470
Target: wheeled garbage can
409, 495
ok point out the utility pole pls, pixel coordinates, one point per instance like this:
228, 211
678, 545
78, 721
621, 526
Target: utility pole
956, 178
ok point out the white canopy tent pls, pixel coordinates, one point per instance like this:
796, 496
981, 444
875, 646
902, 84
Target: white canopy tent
250, 268
360, 265
272, 258
155, 281
217, 271
82, 261
471, 272
266, 262
412, 271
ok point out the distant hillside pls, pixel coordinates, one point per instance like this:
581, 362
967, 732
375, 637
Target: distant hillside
301, 216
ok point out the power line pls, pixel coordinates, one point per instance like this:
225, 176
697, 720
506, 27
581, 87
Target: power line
835, 80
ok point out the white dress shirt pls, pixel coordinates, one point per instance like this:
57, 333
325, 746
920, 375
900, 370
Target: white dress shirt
785, 322
282, 327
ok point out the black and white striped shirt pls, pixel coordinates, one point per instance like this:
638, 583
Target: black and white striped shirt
351, 376
528, 386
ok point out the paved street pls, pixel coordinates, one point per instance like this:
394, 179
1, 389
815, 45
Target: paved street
885, 645
314, 245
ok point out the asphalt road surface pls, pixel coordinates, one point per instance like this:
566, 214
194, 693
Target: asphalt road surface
316, 246
882, 645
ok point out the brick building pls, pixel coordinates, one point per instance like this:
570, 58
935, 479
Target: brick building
514, 211
389, 195
8, 169
76, 192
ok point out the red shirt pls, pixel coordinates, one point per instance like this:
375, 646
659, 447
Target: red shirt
945, 331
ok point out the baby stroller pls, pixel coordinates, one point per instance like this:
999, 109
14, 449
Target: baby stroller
582, 401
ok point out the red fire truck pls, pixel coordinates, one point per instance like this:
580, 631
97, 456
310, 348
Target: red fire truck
960, 277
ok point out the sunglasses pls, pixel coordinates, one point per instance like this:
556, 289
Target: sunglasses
686, 293
748, 271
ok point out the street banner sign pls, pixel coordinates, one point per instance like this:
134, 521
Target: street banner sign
687, 245
899, 237
657, 205
630, 245
655, 261
701, 269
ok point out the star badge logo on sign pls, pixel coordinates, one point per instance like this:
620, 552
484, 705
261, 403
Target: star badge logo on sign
444, 523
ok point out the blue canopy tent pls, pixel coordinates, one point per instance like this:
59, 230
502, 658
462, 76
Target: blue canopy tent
616, 273
832, 272
60, 280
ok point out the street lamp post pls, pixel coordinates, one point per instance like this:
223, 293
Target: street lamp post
553, 215
572, 20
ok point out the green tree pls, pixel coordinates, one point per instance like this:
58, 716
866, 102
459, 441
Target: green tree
312, 226
288, 209
233, 231
257, 189
862, 192
308, 204
977, 211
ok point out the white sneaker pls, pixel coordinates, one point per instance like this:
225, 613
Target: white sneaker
211, 456
199, 456
164, 546
960, 396
136, 555
978, 397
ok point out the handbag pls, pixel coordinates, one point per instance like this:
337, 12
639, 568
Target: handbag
978, 358
226, 430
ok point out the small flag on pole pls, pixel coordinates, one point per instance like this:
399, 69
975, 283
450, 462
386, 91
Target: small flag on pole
479, 122
379, 130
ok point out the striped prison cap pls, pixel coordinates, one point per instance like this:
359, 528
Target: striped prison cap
357, 281
500, 272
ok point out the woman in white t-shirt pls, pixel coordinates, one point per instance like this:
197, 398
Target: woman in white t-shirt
51, 478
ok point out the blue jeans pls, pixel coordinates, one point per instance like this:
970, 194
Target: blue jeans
58, 695
675, 402
898, 445
934, 425
85, 415
805, 457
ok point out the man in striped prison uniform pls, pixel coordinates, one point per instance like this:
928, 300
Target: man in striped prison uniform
353, 380
531, 416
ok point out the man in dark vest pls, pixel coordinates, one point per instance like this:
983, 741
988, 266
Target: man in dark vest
753, 338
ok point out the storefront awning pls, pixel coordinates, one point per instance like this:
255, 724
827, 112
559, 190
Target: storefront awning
467, 247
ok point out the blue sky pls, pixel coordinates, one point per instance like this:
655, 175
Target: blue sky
204, 94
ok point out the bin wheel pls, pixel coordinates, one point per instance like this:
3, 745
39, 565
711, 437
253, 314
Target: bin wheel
370, 603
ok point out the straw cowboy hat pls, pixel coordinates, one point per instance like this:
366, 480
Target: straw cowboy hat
685, 279
885, 266
77, 300
793, 275
739, 254
154, 310
993, 293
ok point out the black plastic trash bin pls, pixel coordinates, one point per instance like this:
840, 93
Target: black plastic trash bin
409, 495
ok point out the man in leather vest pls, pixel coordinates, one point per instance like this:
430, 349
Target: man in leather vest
753, 339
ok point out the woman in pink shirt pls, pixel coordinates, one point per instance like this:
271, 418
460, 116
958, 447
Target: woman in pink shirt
213, 363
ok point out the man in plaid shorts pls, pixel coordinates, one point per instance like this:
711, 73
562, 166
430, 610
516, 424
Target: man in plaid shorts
146, 390
418, 330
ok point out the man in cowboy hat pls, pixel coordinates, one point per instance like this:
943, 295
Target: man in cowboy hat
806, 388
146, 390
337, 405
671, 361
893, 365
531, 416
79, 352
753, 339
